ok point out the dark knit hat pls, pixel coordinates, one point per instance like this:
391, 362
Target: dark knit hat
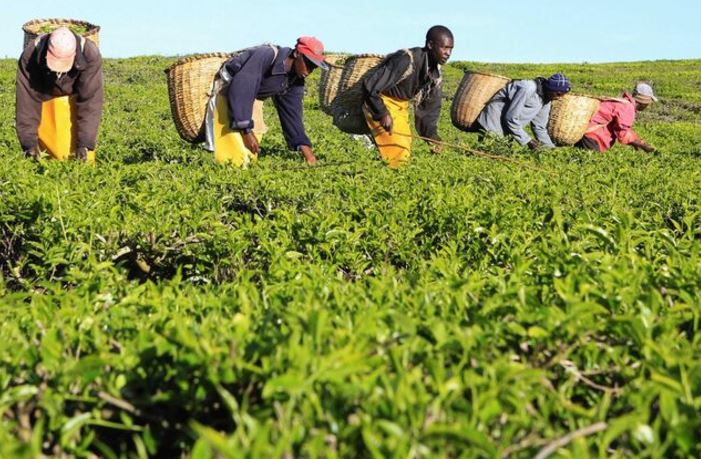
557, 83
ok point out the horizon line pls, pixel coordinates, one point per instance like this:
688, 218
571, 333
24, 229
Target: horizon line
176, 56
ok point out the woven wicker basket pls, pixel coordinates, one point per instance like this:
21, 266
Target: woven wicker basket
189, 84
347, 107
33, 29
569, 118
474, 92
336, 58
329, 82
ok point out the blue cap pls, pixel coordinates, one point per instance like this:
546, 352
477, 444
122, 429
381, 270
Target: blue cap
557, 83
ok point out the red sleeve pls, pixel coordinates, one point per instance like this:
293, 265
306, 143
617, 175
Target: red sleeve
624, 118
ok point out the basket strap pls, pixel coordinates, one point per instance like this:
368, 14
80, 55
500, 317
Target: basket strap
410, 68
615, 99
276, 50
596, 127
224, 74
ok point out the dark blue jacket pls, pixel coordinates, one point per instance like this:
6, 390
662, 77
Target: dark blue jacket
256, 76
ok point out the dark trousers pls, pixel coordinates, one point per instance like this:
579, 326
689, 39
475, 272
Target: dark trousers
587, 144
477, 129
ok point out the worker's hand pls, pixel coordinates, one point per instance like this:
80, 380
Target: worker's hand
251, 142
308, 154
533, 145
640, 145
386, 122
33, 153
81, 154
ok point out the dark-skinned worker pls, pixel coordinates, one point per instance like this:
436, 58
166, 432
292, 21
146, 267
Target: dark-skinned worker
255, 74
524, 102
59, 96
614, 121
403, 76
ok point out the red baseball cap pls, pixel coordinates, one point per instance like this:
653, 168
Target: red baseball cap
312, 49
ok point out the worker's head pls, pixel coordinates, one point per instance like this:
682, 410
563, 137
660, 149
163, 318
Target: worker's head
60, 54
439, 43
643, 96
556, 86
308, 55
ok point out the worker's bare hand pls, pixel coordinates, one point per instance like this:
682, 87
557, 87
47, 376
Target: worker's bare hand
640, 145
386, 122
33, 153
308, 154
81, 154
251, 142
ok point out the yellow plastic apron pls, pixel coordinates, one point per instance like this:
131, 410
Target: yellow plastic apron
394, 148
58, 128
228, 144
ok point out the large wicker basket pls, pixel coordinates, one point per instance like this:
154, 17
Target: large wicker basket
474, 92
189, 85
33, 29
569, 118
329, 82
347, 107
336, 58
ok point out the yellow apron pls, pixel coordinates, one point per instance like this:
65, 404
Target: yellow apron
58, 129
228, 144
395, 149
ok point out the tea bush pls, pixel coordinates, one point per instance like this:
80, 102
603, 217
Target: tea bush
161, 305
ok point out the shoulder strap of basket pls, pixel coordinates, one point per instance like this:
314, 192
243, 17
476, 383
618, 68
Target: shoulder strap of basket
224, 74
595, 127
615, 99
276, 50
410, 68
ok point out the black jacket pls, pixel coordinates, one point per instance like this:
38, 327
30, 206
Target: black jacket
407, 77
36, 84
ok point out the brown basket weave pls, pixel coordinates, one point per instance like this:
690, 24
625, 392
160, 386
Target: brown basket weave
336, 58
347, 107
33, 29
328, 85
189, 84
474, 92
569, 118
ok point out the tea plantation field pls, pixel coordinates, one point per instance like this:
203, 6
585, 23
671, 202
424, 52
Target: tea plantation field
160, 305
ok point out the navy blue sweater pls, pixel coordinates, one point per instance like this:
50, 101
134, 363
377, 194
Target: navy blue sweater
255, 75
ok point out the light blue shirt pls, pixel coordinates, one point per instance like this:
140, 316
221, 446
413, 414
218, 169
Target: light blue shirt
513, 108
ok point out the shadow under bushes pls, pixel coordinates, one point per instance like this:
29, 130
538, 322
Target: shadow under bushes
168, 391
18, 227
176, 380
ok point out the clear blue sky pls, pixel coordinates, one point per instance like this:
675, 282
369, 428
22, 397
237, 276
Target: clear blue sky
488, 31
